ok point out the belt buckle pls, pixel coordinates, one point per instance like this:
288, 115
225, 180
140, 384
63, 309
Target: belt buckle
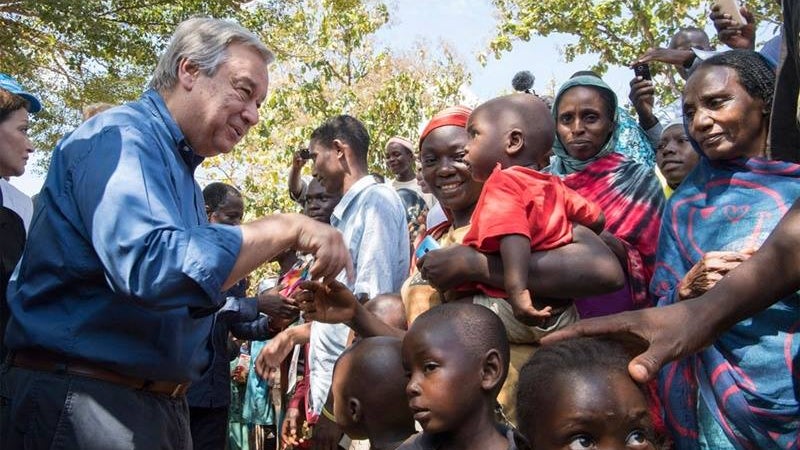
179, 389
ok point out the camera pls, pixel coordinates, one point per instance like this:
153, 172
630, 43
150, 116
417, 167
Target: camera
304, 153
642, 70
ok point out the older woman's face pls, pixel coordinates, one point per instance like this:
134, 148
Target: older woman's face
582, 124
444, 170
15, 145
723, 118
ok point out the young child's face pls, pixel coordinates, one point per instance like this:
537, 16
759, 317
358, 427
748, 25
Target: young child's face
485, 146
444, 386
592, 411
675, 156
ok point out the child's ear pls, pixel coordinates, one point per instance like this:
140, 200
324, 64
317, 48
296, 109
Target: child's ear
354, 409
515, 142
493, 370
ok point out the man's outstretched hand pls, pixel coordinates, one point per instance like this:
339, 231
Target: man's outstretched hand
658, 335
327, 303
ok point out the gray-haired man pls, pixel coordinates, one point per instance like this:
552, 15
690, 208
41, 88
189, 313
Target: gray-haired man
111, 303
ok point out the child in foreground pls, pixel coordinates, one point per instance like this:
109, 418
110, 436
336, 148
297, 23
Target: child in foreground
369, 393
456, 357
577, 394
520, 209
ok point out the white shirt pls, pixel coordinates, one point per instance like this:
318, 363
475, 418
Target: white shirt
17, 201
372, 220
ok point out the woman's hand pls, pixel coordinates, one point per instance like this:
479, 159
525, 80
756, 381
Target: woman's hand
452, 266
642, 96
708, 271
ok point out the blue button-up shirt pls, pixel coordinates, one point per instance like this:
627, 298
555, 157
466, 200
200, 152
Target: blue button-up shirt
239, 316
121, 266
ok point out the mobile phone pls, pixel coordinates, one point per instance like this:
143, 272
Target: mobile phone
731, 8
427, 244
642, 70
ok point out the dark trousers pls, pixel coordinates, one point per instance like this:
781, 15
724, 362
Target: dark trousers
209, 428
41, 410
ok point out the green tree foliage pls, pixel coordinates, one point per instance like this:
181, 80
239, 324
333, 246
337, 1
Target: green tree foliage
618, 31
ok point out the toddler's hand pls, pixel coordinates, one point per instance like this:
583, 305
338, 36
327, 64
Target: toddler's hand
525, 312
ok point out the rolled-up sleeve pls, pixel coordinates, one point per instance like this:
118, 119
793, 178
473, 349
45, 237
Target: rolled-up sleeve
139, 205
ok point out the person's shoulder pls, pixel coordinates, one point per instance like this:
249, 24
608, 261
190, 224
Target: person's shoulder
382, 195
127, 120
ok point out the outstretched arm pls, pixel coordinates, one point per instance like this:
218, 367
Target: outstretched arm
264, 238
685, 327
337, 304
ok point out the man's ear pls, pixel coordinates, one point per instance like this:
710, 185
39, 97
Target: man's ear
492, 370
339, 146
515, 142
188, 71
354, 409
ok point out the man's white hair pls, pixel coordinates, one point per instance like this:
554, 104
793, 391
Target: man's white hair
203, 41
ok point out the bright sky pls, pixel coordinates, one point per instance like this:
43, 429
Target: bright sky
468, 26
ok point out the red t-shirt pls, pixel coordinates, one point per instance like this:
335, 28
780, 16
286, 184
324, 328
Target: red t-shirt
522, 201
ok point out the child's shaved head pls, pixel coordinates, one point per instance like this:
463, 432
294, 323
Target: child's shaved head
389, 308
513, 130
369, 389
526, 112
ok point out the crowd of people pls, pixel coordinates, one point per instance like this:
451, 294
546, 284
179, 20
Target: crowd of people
533, 274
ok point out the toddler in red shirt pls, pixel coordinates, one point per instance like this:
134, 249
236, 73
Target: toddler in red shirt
520, 209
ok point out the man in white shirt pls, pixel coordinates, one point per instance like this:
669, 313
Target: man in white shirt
371, 218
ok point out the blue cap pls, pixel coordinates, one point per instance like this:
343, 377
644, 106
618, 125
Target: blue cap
11, 85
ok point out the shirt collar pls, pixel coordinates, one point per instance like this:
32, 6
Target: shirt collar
187, 154
358, 187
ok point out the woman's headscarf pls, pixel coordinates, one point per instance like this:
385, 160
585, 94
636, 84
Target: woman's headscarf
628, 192
453, 116
562, 163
